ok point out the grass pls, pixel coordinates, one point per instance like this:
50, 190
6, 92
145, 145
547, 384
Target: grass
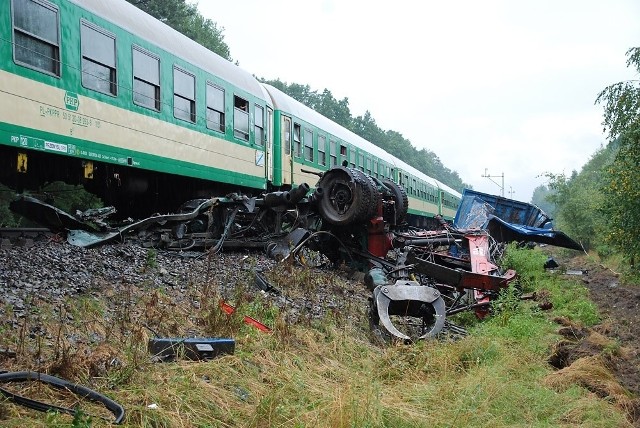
325, 373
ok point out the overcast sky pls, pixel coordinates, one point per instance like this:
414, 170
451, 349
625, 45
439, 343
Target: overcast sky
506, 87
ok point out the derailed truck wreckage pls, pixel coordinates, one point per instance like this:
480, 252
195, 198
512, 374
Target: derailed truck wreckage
417, 277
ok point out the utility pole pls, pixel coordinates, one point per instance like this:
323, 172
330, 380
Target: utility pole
491, 177
511, 192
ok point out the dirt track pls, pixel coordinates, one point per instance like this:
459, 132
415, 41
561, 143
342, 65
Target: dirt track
615, 342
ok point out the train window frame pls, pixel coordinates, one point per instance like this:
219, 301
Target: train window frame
145, 79
352, 158
287, 134
96, 53
333, 148
240, 118
179, 113
307, 141
322, 150
41, 39
297, 139
259, 135
214, 108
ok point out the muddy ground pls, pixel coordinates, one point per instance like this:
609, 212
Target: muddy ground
613, 344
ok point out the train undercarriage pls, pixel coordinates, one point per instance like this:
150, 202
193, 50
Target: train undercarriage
418, 278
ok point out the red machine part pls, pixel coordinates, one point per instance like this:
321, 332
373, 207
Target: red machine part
379, 242
478, 250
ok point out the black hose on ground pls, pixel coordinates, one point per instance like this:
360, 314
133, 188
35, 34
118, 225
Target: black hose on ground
80, 390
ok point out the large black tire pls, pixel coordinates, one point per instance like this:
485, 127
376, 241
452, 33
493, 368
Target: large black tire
344, 199
401, 199
373, 195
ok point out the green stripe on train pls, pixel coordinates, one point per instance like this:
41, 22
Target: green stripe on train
73, 147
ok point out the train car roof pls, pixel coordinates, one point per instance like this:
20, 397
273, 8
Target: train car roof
129, 17
448, 189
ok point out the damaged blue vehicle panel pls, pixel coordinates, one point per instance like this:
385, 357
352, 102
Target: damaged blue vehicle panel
509, 220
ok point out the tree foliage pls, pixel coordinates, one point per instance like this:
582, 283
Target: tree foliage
622, 122
185, 18
580, 200
542, 199
623, 201
365, 126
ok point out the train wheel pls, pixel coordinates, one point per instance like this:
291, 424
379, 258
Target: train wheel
401, 199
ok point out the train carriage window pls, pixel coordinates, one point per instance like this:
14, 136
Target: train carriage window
352, 158
322, 148
36, 35
308, 145
361, 162
215, 107
98, 59
259, 125
146, 79
368, 165
333, 160
375, 168
286, 123
184, 95
240, 118
297, 139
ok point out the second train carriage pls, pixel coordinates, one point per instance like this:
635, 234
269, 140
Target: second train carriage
103, 94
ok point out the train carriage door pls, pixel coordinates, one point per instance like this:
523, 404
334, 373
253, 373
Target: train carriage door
269, 146
287, 158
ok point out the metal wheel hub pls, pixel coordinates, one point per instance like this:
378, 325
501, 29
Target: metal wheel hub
341, 196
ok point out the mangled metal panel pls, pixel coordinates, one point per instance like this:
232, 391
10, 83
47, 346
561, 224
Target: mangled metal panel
476, 207
508, 220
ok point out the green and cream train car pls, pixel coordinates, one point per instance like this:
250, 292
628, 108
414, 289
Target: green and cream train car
99, 93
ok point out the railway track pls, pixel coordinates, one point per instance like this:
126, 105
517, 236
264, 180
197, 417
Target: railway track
24, 236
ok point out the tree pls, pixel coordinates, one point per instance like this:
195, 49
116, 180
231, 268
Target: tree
185, 18
580, 200
541, 198
622, 122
